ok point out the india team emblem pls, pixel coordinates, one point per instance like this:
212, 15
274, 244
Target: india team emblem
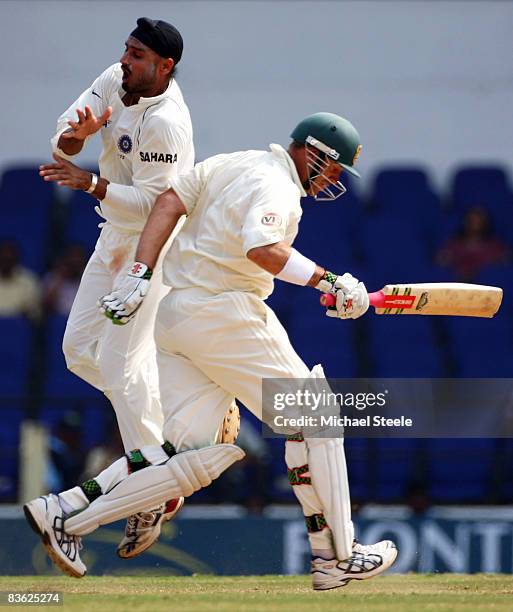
125, 144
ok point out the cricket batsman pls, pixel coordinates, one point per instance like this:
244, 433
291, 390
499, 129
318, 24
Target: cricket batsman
217, 340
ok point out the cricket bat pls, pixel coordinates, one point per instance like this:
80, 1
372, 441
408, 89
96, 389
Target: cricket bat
456, 299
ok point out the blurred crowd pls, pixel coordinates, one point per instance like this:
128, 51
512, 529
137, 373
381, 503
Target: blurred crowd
24, 293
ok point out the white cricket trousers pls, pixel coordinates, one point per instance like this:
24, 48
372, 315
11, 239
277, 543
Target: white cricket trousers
212, 349
119, 360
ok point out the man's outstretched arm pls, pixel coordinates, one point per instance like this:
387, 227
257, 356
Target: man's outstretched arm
274, 257
121, 305
287, 264
162, 221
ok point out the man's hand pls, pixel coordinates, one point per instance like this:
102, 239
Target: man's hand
87, 124
65, 173
351, 294
122, 304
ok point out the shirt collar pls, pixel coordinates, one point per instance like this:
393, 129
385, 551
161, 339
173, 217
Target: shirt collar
282, 155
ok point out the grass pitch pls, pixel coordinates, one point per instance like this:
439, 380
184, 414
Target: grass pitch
409, 593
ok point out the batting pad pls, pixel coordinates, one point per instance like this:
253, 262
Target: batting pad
328, 473
182, 475
296, 458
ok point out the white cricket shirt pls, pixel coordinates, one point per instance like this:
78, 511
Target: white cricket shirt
144, 146
234, 203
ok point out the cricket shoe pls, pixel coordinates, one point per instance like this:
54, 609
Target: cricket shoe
143, 529
46, 518
365, 562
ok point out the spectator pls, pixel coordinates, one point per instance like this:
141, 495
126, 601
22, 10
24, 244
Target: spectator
61, 283
474, 246
20, 291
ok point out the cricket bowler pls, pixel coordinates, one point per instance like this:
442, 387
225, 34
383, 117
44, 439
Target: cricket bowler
217, 340
145, 126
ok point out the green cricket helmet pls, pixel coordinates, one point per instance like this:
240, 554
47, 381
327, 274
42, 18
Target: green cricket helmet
327, 137
333, 135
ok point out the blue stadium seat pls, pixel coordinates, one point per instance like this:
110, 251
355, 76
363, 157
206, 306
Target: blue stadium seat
81, 226
320, 339
406, 193
59, 382
15, 354
12, 414
358, 459
26, 202
485, 186
324, 235
472, 184
394, 252
500, 276
397, 466
281, 490
482, 348
460, 470
503, 470
281, 301
94, 416
403, 346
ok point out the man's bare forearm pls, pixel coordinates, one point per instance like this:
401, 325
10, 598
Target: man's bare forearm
162, 221
273, 258
101, 188
70, 146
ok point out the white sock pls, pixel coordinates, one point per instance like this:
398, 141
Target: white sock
73, 499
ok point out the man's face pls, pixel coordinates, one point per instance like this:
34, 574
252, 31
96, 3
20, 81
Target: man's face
330, 175
140, 67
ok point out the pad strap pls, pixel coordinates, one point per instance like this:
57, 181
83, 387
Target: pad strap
315, 523
296, 438
327, 282
91, 489
136, 461
169, 449
296, 475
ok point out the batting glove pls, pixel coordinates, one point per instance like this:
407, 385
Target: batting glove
351, 295
124, 301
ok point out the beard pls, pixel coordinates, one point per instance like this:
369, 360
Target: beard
141, 83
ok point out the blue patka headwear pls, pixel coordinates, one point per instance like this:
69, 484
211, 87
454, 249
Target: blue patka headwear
159, 36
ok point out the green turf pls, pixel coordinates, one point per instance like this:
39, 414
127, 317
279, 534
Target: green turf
410, 593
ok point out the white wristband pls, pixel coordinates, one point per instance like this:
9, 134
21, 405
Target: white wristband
94, 182
298, 269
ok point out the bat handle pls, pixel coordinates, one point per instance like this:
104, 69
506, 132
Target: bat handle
328, 300
376, 299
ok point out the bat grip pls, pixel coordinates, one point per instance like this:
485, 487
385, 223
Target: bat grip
376, 299
328, 300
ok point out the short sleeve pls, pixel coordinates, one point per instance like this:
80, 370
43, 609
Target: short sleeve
268, 214
188, 186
